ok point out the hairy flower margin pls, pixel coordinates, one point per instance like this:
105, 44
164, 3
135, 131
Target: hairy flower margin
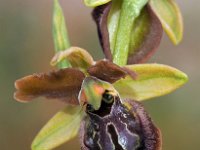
84, 80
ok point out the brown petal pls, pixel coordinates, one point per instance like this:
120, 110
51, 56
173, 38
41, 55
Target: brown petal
63, 84
108, 71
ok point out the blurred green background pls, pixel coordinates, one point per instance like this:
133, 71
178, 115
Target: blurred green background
26, 46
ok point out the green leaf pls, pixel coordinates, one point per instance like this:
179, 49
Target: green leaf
95, 3
61, 128
152, 80
120, 32
78, 58
170, 17
60, 37
92, 90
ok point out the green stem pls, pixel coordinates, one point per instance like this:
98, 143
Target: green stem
60, 35
130, 10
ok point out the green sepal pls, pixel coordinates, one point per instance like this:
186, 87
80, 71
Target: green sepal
152, 80
60, 129
170, 16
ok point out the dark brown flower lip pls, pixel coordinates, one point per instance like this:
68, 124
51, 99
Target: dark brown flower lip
151, 134
144, 127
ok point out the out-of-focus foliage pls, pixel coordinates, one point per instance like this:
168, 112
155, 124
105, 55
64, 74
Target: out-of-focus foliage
61, 128
60, 37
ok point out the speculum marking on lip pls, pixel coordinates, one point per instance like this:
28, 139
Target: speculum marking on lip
120, 128
114, 137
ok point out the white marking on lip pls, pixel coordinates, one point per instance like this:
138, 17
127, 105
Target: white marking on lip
110, 134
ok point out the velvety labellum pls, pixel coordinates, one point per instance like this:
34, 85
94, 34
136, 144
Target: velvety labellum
118, 127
